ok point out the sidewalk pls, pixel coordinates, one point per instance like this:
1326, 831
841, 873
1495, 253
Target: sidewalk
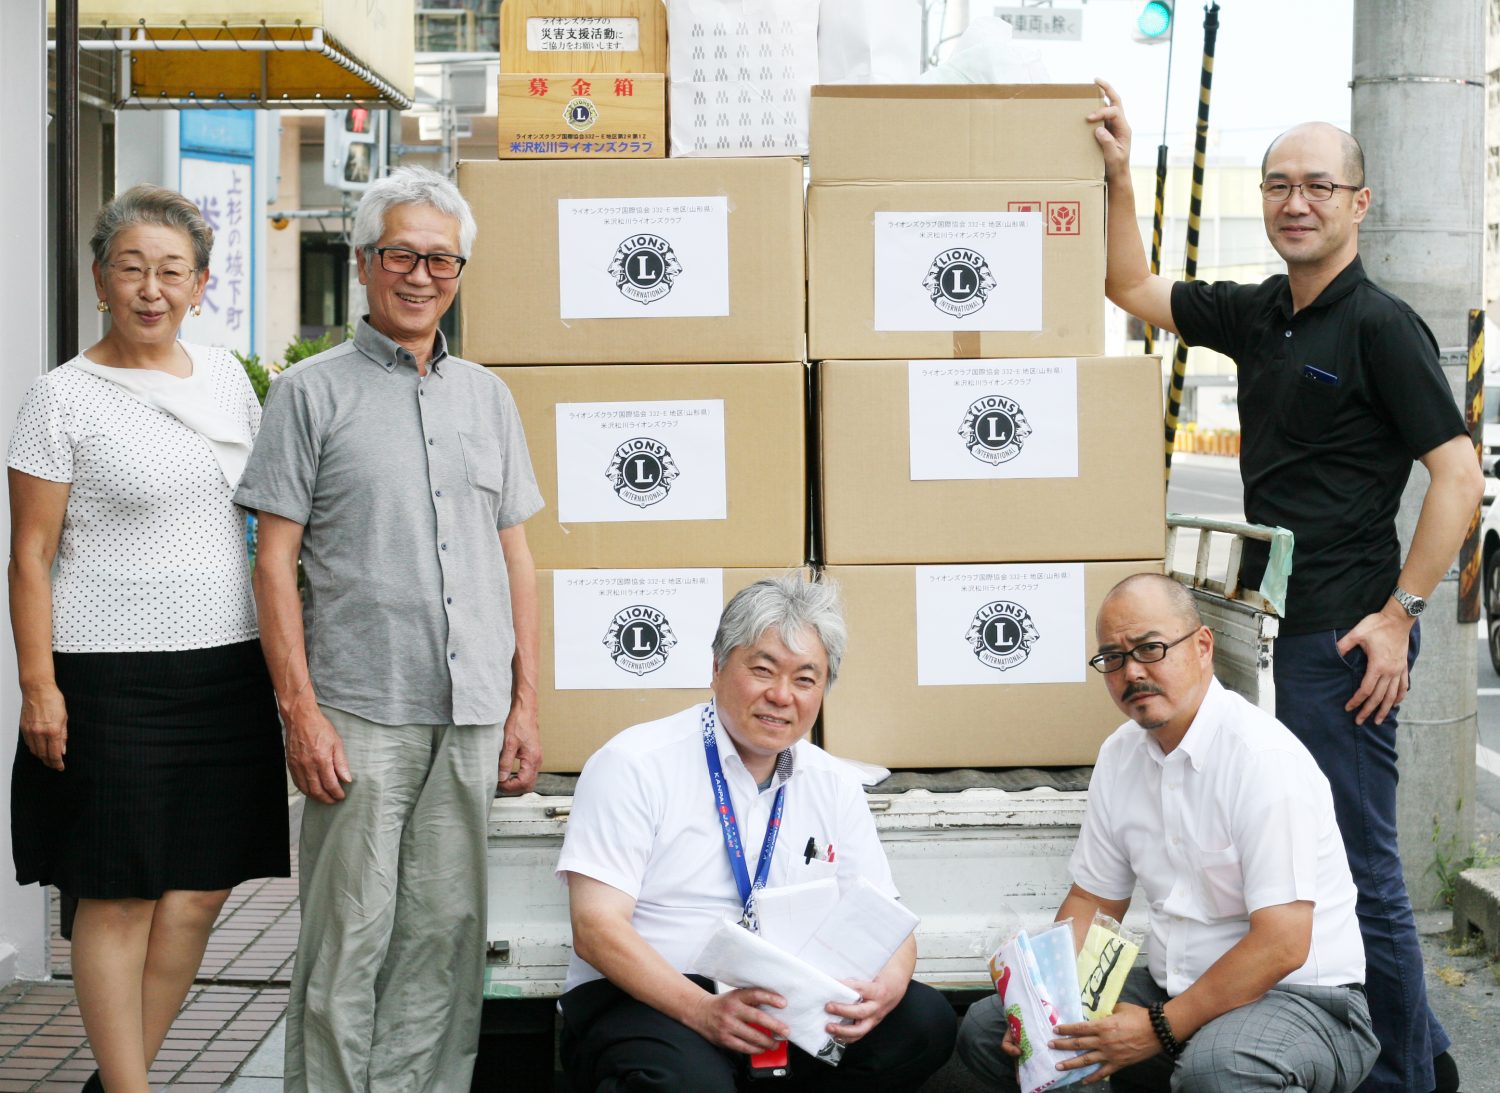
235, 1006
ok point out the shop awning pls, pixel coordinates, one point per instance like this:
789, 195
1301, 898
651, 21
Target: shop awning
275, 53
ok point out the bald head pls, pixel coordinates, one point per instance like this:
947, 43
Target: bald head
1350, 154
1165, 594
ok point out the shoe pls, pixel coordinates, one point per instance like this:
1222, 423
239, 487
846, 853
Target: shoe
96, 1085
1445, 1072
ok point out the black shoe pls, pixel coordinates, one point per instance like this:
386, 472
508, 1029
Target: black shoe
96, 1085
1445, 1072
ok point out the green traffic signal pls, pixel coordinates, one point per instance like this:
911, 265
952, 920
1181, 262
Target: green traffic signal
1155, 20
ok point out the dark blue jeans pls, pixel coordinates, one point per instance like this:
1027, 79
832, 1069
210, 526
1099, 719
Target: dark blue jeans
1312, 685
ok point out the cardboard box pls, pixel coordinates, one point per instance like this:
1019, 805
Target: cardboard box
917, 270
666, 465
678, 623
605, 262
997, 460
999, 625
582, 115
941, 132
583, 36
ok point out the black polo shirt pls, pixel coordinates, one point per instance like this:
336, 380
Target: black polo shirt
1335, 403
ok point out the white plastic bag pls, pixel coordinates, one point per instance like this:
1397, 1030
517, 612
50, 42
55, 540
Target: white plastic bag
869, 41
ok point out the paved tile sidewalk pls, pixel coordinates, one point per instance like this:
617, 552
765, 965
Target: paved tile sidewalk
239, 997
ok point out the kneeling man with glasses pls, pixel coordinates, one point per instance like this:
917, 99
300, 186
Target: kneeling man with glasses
1254, 977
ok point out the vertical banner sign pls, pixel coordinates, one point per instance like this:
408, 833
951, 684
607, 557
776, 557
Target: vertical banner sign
1469, 558
218, 175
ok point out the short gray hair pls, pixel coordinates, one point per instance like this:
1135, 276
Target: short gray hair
147, 204
791, 605
411, 186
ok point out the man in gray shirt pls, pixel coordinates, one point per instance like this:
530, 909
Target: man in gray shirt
400, 476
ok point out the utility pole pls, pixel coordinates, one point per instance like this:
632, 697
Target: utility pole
1418, 110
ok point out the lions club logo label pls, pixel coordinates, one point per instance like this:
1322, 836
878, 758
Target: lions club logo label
644, 268
994, 429
1002, 634
959, 282
580, 114
642, 471
639, 639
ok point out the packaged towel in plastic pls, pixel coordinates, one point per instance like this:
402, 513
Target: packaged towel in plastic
1106, 959
1038, 987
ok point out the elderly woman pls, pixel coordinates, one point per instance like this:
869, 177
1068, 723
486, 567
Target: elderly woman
149, 778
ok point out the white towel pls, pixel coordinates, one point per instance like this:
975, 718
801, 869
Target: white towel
860, 935
789, 914
733, 955
191, 402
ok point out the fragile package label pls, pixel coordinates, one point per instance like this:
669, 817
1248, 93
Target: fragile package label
1003, 419
634, 461
999, 624
958, 271
583, 34
634, 629
643, 257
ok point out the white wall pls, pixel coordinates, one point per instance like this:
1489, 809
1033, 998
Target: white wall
23, 317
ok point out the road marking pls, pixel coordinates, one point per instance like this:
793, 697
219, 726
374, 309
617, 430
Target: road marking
1487, 759
1489, 692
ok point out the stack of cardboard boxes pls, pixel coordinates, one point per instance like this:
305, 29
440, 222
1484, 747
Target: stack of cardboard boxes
984, 477
647, 317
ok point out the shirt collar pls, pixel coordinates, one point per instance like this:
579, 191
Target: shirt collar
386, 353
1198, 741
1348, 278
786, 760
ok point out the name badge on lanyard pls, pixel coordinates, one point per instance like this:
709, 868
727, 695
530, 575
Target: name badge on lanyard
730, 828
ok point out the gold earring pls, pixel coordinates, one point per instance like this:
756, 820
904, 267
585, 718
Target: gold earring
103, 307
197, 310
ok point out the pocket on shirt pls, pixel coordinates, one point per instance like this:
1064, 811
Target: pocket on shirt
1223, 881
1307, 410
483, 463
816, 869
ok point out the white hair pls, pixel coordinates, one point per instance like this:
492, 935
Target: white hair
411, 186
793, 607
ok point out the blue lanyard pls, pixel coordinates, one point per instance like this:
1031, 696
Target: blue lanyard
730, 828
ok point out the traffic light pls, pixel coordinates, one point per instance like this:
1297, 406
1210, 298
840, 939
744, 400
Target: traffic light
1154, 23
351, 148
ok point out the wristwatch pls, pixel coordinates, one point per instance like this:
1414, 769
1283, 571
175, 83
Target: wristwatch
1412, 605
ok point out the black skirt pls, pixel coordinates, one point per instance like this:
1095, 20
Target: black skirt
174, 777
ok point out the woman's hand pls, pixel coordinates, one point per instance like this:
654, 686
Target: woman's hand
44, 723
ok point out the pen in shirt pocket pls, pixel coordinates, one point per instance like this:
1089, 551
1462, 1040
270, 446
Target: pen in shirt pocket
1321, 376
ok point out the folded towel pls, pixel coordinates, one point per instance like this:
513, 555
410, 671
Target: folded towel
1031, 1006
733, 955
1102, 967
860, 935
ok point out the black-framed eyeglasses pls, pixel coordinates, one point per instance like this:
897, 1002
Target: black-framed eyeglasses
1147, 652
444, 267
171, 274
1277, 191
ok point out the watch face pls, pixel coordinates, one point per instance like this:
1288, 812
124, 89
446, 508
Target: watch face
1415, 606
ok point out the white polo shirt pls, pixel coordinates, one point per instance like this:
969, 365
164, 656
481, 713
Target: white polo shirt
644, 821
1238, 817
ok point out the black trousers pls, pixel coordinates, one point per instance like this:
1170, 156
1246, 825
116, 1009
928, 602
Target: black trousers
612, 1043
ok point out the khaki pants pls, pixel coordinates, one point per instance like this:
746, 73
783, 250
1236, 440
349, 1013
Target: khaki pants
389, 977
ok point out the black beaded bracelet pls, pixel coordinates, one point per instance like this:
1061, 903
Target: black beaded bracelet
1163, 1030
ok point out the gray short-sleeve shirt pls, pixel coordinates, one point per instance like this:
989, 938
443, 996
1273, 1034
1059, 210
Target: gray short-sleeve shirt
402, 483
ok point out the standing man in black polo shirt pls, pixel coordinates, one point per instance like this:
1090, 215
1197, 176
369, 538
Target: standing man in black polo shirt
1340, 391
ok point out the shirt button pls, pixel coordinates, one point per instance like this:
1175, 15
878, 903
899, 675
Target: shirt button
442, 546
431, 441
1288, 333
450, 599
452, 656
421, 394
1176, 841
437, 493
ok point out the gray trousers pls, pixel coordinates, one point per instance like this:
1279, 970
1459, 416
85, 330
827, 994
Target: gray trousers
1291, 1039
389, 977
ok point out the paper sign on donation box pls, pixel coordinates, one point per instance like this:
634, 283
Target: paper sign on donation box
630, 461
643, 257
958, 271
647, 629
993, 419
999, 624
